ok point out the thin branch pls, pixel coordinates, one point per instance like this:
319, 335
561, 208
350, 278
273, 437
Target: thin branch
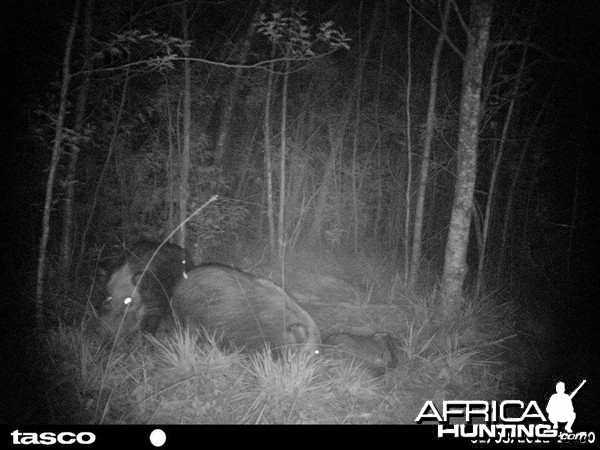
464, 24
263, 65
446, 38
533, 46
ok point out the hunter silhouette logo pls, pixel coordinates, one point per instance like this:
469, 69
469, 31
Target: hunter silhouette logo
560, 407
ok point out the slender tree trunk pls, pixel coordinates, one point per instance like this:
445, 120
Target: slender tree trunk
297, 173
337, 137
100, 182
513, 185
324, 189
417, 242
375, 232
66, 246
494, 177
409, 163
234, 87
56, 153
355, 168
455, 262
283, 132
376, 229
268, 161
184, 192
171, 168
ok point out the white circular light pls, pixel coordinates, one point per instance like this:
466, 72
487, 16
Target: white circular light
158, 437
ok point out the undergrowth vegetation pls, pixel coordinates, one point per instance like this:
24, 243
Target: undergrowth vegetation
181, 376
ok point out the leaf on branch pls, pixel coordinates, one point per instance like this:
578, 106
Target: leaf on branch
292, 34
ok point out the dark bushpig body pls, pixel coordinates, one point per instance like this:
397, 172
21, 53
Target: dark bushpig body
375, 352
242, 311
139, 287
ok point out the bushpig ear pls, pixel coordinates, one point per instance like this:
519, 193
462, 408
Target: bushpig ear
298, 332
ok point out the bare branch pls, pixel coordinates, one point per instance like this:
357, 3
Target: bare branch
533, 46
262, 65
464, 24
446, 38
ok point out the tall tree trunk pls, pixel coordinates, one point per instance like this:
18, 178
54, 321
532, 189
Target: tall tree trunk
282, 158
100, 182
234, 87
409, 162
184, 192
66, 245
355, 168
494, 177
417, 242
171, 165
516, 176
337, 137
268, 161
455, 261
56, 153
377, 222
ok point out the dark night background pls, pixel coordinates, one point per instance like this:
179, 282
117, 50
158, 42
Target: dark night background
32, 40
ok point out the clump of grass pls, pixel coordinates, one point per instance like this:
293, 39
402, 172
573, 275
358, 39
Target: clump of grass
292, 374
75, 370
197, 379
352, 394
181, 352
350, 377
278, 390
